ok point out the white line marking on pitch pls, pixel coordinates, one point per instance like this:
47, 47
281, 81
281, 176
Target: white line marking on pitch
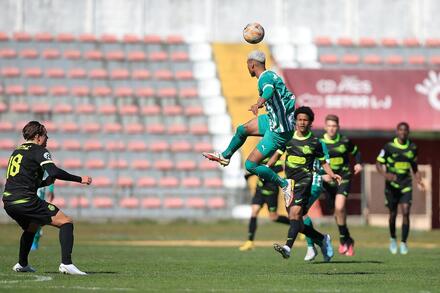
37, 278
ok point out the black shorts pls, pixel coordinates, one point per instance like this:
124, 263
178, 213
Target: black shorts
332, 188
394, 196
35, 211
267, 194
302, 192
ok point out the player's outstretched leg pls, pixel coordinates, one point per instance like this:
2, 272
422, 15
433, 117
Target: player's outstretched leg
25, 247
311, 249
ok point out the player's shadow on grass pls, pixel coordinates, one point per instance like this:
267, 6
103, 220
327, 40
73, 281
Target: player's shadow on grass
349, 262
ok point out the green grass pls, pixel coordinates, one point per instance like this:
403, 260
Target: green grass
201, 269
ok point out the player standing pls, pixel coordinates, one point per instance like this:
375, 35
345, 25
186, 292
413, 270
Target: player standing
400, 157
265, 193
302, 150
340, 148
276, 127
24, 176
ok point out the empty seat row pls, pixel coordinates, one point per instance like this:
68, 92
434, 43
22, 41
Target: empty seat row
146, 202
108, 128
99, 91
377, 59
95, 55
90, 38
367, 42
98, 73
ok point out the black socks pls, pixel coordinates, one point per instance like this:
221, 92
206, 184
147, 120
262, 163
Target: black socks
25, 247
66, 241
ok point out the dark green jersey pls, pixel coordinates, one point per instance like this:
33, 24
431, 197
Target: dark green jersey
339, 150
301, 154
399, 159
24, 174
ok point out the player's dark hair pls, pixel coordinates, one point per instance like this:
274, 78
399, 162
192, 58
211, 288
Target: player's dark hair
32, 128
305, 110
332, 117
403, 124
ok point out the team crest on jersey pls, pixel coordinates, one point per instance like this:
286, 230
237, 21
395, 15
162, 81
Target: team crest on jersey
341, 148
47, 156
307, 150
51, 207
409, 154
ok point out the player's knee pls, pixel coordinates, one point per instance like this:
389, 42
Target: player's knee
241, 131
250, 166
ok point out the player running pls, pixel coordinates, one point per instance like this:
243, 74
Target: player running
276, 127
42, 192
265, 193
340, 148
400, 157
24, 176
302, 150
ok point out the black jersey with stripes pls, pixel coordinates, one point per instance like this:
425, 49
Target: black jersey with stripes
24, 174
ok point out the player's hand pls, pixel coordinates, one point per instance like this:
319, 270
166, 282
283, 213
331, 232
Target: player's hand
357, 169
390, 177
421, 186
254, 109
337, 178
327, 178
86, 180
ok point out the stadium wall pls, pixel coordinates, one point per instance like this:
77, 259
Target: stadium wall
217, 20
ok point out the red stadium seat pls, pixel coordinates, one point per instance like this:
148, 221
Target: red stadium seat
131, 39
41, 108
80, 91
85, 109
37, 90
158, 56
98, 73
119, 74
115, 146
411, 42
10, 72
124, 182
179, 56
102, 181
19, 107
79, 202
345, 42
172, 110
103, 202
417, 60
136, 56
163, 74
69, 127
168, 182
174, 39
350, 59
59, 202
156, 128
213, 182
33, 72
184, 75
216, 203
163, 165
129, 202
167, 92
101, 91
93, 145
115, 56
51, 54
186, 165
322, 41
118, 164
22, 36
72, 145
124, 92
4, 37
20, 124
394, 60
178, 128
91, 127
72, 164
59, 91
108, 109
14, 90
50, 126
181, 146
152, 39
146, 92
128, 110
7, 144
72, 54
203, 146
4, 162
137, 146
140, 164
196, 203
95, 164
134, 128
159, 146
112, 128
188, 93
367, 42
6, 126
8, 53
62, 108
328, 59
52, 144
146, 182
432, 42
372, 59
77, 73
389, 42
29, 53
65, 38
151, 203
141, 74
191, 182
199, 129
193, 111
93, 55
43, 37
3, 107
435, 60
87, 38
173, 203
109, 38
150, 110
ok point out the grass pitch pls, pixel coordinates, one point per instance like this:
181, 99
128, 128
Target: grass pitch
203, 257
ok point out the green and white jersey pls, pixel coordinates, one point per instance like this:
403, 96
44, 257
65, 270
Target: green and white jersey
318, 171
280, 102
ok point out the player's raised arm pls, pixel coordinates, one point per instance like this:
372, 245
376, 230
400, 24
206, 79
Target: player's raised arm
60, 174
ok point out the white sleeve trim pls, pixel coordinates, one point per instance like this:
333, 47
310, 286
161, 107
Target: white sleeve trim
267, 86
45, 162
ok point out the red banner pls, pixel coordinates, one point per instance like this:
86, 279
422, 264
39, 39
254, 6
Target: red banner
369, 99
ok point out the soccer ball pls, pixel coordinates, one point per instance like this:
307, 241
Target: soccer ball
253, 33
